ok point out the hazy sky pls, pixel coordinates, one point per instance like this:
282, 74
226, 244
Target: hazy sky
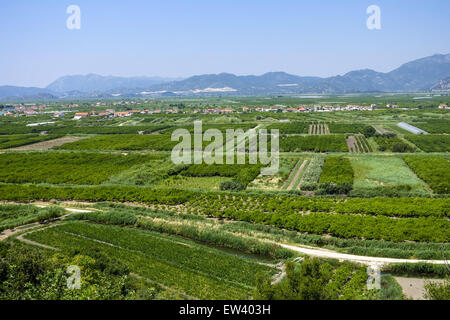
180, 38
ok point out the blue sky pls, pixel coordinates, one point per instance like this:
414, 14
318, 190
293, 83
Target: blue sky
180, 38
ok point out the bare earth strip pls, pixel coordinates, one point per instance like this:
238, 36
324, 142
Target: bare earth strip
327, 129
352, 145
303, 175
297, 175
414, 288
46, 145
310, 129
290, 176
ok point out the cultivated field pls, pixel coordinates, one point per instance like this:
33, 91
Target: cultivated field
103, 193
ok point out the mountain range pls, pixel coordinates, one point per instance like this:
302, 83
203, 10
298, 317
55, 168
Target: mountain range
426, 74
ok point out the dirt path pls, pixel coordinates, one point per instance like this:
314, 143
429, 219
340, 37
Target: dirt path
297, 175
414, 288
285, 185
34, 243
303, 175
10, 232
46, 145
323, 253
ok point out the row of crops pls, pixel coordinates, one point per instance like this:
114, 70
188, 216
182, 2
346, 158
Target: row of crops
66, 168
296, 127
431, 143
271, 202
433, 170
434, 126
254, 238
284, 212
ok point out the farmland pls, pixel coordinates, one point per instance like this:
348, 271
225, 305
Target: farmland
152, 256
65, 168
19, 140
431, 143
334, 143
386, 175
122, 142
108, 196
433, 170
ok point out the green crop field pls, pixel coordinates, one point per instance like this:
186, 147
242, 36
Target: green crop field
385, 173
18, 140
433, 170
67, 168
180, 265
431, 143
334, 143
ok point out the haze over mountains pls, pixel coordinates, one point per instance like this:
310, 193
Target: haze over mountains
430, 73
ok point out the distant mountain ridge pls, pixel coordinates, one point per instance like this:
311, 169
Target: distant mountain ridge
424, 74
95, 82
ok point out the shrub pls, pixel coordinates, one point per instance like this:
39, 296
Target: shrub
334, 188
232, 185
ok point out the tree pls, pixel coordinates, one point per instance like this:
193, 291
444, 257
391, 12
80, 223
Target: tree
369, 131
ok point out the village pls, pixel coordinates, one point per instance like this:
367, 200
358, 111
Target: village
27, 110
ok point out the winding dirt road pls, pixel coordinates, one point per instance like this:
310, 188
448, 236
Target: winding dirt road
323, 253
